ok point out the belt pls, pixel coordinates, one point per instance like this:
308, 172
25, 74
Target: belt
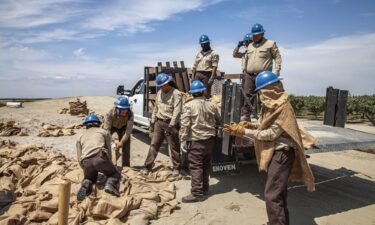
165, 121
252, 74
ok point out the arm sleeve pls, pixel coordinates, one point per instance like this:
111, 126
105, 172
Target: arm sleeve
185, 124
196, 61
177, 108
155, 111
237, 53
107, 143
217, 113
277, 57
107, 122
129, 129
269, 134
215, 60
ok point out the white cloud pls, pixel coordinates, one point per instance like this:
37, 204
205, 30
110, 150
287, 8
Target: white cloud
83, 19
79, 52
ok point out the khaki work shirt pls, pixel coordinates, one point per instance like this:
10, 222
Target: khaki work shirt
168, 106
204, 61
273, 133
91, 141
198, 120
259, 57
111, 120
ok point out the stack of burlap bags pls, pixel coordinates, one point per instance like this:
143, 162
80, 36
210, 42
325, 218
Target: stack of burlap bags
78, 108
29, 180
50, 130
9, 128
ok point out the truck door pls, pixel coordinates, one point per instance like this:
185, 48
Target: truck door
136, 101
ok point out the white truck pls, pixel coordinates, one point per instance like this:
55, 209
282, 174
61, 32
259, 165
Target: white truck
142, 99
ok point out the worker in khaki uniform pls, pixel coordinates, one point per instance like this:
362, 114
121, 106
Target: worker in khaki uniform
259, 57
241, 55
165, 122
278, 146
119, 122
205, 64
197, 136
93, 155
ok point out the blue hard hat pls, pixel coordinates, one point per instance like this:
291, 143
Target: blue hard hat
92, 118
196, 86
122, 103
204, 39
247, 37
257, 29
266, 78
162, 79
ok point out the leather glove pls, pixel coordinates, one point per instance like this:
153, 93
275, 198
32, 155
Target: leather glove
184, 147
277, 73
248, 125
234, 129
168, 131
240, 43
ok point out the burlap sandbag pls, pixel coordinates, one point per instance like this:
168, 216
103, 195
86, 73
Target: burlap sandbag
276, 109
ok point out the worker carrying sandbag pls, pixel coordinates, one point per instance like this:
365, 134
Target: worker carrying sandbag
198, 138
278, 145
93, 153
119, 122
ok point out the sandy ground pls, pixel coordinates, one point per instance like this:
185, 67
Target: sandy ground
345, 180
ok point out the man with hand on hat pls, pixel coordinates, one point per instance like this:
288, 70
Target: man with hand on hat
278, 146
165, 122
119, 122
93, 154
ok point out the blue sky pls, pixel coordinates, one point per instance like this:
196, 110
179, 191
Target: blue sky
56, 48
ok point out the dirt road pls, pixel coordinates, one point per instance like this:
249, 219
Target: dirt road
345, 180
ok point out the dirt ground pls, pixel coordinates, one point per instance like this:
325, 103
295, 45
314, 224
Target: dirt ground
345, 180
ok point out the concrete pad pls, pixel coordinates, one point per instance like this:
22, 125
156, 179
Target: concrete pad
337, 138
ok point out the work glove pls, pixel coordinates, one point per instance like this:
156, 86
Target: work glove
234, 129
240, 43
151, 129
277, 73
211, 80
248, 125
169, 130
184, 147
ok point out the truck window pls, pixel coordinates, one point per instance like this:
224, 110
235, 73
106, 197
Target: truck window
139, 89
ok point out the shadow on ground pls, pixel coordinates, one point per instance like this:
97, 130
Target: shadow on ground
337, 191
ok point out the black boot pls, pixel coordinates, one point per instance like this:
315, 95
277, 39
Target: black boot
192, 198
85, 190
111, 190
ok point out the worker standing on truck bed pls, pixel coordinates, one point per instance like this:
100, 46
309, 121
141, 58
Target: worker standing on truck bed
119, 122
205, 64
259, 57
247, 39
93, 155
278, 146
197, 136
165, 122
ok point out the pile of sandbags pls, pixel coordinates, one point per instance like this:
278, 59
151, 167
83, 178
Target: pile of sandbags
63, 111
51, 130
30, 177
10, 128
78, 108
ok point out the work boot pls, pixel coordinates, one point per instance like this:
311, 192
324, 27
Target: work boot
85, 190
191, 198
175, 173
111, 190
